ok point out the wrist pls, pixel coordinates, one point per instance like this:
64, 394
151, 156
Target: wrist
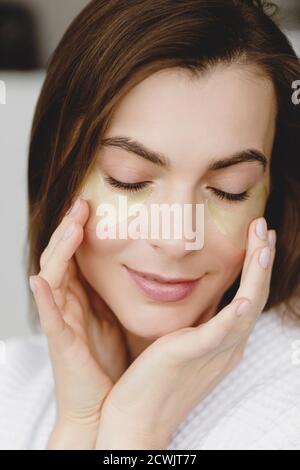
119, 434
72, 435
126, 441
117, 430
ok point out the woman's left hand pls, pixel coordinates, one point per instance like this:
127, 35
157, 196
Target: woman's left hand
177, 371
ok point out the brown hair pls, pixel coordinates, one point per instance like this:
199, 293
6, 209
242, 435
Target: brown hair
113, 45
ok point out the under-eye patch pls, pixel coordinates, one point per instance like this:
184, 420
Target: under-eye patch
230, 219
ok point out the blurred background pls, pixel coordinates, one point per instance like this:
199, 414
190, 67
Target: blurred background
29, 32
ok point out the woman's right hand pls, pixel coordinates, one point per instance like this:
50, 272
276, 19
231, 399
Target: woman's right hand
87, 348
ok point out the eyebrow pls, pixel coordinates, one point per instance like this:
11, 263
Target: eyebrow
133, 146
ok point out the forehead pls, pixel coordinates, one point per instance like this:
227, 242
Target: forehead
222, 111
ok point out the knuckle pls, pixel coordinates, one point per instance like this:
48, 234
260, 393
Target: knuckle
257, 251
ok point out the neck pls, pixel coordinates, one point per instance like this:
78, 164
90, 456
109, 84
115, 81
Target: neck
136, 344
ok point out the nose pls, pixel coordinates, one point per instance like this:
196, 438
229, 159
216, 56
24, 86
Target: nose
176, 227
171, 248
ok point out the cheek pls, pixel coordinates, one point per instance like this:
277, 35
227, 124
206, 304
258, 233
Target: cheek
109, 208
229, 258
232, 220
223, 258
98, 261
232, 263
98, 251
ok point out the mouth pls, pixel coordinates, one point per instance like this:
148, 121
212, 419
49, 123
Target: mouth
161, 288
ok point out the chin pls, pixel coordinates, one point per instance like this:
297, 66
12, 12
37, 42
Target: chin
155, 320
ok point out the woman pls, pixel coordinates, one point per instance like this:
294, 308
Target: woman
153, 345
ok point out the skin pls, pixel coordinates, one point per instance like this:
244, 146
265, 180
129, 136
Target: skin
101, 342
165, 105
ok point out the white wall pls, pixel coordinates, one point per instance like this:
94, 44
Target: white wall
53, 18
15, 122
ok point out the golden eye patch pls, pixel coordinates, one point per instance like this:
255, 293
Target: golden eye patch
230, 219
98, 191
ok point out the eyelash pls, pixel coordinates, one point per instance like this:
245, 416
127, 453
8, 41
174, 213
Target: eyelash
231, 196
134, 187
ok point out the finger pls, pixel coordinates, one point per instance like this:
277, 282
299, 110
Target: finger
208, 337
51, 320
229, 326
272, 245
80, 215
257, 237
255, 288
255, 283
96, 302
55, 268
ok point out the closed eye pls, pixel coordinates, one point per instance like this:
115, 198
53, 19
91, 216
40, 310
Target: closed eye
233, 197
134, 187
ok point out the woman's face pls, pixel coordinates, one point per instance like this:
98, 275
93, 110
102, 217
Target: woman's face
192, 124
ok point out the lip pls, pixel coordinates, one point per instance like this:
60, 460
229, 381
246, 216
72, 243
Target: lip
161, 288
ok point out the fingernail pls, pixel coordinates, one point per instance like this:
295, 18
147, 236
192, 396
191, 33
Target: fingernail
74, 208
261, 229
68, 232
264, 257
272, 239
242, 308
32, 284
